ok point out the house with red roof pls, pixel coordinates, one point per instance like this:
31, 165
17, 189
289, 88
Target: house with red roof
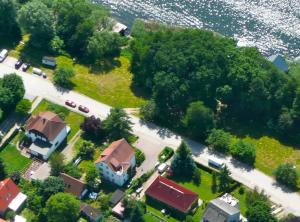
10, 196
74, 186
117, 162
46, 131
172, 195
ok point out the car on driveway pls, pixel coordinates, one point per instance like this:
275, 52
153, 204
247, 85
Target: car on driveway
83, 109
25, 67
18, 64
70, 103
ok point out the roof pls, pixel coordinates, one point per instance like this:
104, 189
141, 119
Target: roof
116, 196
172, 194
17, 202
40, 146
119, 27
117, 155
2, 220
218, 210
89, 211
52, 59
19, 219
73, 185
118, 209
279, 62
8, 191
47, 123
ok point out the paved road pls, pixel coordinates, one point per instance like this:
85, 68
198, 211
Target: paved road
154, 138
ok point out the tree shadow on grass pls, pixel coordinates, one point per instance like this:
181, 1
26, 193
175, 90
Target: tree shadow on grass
101, 66
140, 92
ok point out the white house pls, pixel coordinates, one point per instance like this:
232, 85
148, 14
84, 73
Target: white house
46, 131
116, 162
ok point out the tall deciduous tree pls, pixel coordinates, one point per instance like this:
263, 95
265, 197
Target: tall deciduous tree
38, 20
51, 186
199, 120
92, 125
87, 150
117, 124
57, 163
62, 207
63, 75
8, 15
183, 163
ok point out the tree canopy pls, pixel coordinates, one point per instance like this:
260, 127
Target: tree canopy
63, 75
183, 163
180, 66
8, 15
244, 151
219, 140
63, 207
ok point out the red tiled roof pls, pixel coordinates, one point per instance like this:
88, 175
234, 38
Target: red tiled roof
117, 155
47, 123
73, 185
8, 191
2, 220
172, 194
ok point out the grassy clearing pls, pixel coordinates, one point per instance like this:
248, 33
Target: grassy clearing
72, 119
270, 153
295, 69
108, 82
13, 160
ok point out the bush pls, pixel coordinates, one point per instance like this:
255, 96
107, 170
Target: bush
87, 150
63, 75
140, 157
166, 154
244, 151
286, 174
72, 170
23, 107
219, 140
197, 176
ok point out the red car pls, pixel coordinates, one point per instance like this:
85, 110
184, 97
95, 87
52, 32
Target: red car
70, 103
83, 109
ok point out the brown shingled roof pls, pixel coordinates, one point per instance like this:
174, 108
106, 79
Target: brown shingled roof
73, 185
117, 155
47, 123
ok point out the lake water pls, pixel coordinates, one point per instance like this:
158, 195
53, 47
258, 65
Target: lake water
271, 25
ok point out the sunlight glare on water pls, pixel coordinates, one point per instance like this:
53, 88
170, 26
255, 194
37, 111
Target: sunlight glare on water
271, 25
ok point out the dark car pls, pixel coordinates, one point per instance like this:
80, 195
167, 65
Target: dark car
70, 103
18, 64
25, 67
83, 109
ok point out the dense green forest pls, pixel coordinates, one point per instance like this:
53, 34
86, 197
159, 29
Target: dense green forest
197, 76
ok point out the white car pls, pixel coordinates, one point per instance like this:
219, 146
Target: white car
3, 55
162, 168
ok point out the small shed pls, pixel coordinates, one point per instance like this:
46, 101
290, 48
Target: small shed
280, 62
120, 28
49, 61
116, 197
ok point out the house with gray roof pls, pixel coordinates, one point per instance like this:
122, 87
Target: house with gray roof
222, 209
279, 62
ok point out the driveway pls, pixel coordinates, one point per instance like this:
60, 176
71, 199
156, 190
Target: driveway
154, 138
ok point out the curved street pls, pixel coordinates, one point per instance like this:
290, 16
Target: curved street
153, 138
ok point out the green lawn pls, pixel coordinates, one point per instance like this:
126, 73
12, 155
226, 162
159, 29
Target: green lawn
111, 86
72, 119
13, 160
270, 153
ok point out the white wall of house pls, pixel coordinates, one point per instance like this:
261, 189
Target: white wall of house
54, 143
119, 178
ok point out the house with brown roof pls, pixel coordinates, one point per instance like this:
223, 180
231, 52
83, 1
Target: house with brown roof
172, 195
74, 186
90, 213
46, 131
117, 162
11, 197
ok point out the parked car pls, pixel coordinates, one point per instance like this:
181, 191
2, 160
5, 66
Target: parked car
3, 55
25, 67
37, 71
44, 75
83, 109
216, 163
162, 168
70, 103
18, 64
